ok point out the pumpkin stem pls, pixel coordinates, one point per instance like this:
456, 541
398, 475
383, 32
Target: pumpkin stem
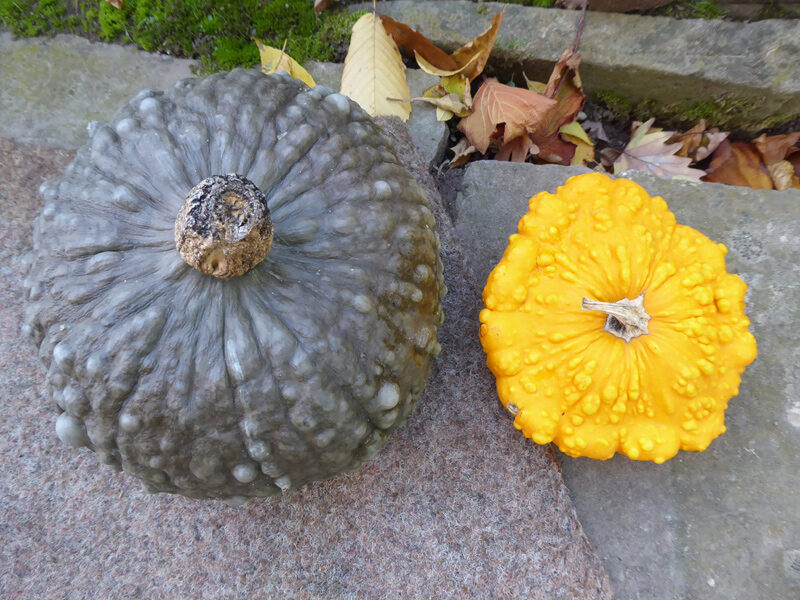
223, 228
627, 319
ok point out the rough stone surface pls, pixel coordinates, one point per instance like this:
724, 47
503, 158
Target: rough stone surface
723, 523
429, 135
456, 505
50, 88
749, 67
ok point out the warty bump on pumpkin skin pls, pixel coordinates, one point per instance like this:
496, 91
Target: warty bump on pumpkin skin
291, 372
566, 378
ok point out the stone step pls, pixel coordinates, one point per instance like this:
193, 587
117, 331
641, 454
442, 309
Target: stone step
745, 74
723, 523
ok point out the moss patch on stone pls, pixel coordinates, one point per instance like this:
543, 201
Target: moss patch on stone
728, 112
218, 34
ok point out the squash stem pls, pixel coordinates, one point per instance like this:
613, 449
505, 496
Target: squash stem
223, 228
627, 318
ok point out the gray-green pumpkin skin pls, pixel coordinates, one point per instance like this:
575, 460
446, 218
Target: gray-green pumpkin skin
291, 373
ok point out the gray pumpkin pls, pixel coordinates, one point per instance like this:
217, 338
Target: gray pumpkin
246, 384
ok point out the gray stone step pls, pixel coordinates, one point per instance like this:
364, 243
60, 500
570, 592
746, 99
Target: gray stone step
749, 69
723, 523
51, 88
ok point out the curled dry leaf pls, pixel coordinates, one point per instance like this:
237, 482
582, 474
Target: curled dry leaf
449, 103
517, 150
469, 61
775, 148
274, 60
698, 143
416, 44
565, 87
374, 71
648, 150
739, 163
115, 3
462, 152
517, 110
774, 151
472, 57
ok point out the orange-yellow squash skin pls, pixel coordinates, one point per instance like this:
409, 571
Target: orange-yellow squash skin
568, 380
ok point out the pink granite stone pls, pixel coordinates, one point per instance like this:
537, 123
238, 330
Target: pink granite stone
457, 505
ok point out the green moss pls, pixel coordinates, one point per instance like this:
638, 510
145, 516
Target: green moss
690, 9
219, 33
704, 109
614, 102
112, 21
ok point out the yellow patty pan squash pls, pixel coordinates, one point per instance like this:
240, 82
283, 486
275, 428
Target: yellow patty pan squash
610, 328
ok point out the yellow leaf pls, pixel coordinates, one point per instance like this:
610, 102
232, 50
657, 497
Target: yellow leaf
374, 72
480, 47
449, 103
443, 115
471, 58
584, 146
274, 60
534, 86
434, 70
574, 132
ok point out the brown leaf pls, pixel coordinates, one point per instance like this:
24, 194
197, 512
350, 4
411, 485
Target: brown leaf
320, 5
462, 151
565, 87
414, 43
648, 150
738, 163
518, 110
698, 143
115, 3
476, 53
794, 158
775, 147
557, 151
518, 149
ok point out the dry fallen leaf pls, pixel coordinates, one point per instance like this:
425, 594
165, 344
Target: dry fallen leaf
274, 60
648, 150
517, 150
414, 43
775, 150
698, 143
495, 104
115, 3
374, 71
738, 163
469, 61
596, 130
473, 56
449, 103
584, 146
462, 152
565, 87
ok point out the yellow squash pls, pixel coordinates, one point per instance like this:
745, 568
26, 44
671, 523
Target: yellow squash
610, 328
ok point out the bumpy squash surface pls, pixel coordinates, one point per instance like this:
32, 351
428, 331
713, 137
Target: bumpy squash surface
564, 367
247, 386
